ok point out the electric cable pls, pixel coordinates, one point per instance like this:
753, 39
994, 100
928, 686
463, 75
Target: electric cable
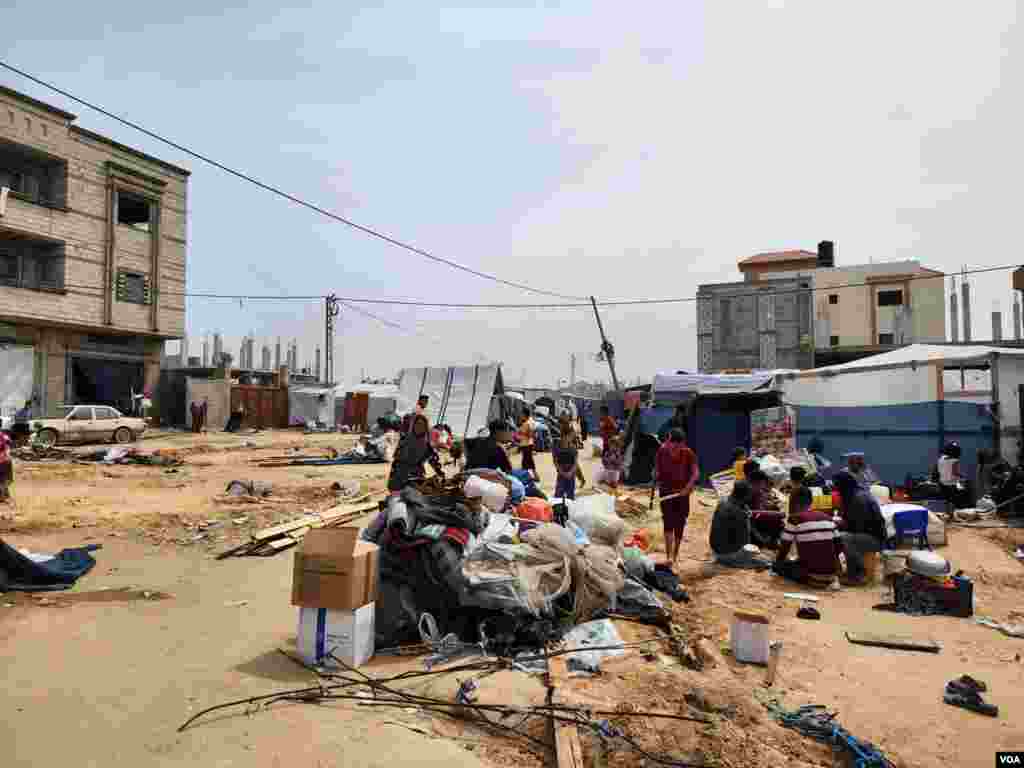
586, 305
281, 193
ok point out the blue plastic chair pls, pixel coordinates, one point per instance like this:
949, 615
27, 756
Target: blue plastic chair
912, 523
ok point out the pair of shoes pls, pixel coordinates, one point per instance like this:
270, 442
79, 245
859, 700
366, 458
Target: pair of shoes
966, 684
965, 692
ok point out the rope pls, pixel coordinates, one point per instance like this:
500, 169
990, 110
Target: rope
814, 721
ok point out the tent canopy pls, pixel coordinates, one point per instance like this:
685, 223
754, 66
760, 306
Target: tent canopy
677, 385
951, 355
460, 395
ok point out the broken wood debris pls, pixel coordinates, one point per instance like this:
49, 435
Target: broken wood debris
270, 541
568, 749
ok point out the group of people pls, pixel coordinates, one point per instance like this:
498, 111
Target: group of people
822, 539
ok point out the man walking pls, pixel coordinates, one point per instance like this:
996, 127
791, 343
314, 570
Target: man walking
676, 472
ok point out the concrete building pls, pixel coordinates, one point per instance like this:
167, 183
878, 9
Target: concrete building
92, 251
796, 309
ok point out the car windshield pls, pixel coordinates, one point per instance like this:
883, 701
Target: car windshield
60, 412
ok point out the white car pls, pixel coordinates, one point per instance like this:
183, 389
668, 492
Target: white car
87, 424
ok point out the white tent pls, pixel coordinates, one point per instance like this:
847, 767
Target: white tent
460, 396
310, 404
16, 378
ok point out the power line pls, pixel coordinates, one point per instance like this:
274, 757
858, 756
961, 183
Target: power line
384, 321
571, 305
281, 193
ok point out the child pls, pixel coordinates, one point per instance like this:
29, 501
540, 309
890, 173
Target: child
612, 461
6, 468
568, 469
525, 440
739, 458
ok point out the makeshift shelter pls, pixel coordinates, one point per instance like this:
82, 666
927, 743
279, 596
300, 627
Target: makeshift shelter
308, 404
460, 396
718, 410
901, 407
363, 404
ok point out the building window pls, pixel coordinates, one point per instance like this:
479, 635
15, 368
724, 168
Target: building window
133, 211
833, 298
886, 338
132, 287
833, 341
890, 298
25, 264
31, 175
9, 270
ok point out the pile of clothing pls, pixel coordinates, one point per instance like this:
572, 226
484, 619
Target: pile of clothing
444, 553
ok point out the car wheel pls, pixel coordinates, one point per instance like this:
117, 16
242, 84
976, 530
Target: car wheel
47, 438
122, 435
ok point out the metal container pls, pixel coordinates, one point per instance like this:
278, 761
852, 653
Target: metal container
924, 563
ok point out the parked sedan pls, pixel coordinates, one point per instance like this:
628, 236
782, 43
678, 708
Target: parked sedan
87, 424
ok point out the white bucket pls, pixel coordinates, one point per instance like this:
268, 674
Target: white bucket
749, 638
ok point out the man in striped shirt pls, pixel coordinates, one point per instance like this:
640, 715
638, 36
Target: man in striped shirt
818, 544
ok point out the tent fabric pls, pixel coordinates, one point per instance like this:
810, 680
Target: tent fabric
460, 396
16, 377
306, 404
925, 353
18, 572
898, 439
669, 384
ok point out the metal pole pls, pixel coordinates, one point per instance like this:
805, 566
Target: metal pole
606, 347
331, 310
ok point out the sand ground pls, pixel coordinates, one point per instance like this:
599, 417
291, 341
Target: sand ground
108, 682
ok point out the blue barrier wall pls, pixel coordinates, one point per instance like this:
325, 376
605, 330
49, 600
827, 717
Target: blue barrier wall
899, 439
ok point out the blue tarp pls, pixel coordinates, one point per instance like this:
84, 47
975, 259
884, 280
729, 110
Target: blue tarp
18, 572
898, 440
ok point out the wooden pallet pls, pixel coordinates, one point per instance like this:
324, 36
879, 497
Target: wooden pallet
270, 541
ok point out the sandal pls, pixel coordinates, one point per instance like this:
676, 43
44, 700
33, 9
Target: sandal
967, 683
972, 702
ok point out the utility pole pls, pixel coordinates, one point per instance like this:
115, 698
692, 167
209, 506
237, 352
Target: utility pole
572, 371
331, 310
607, 350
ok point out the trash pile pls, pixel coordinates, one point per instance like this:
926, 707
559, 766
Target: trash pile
481, 559
127, 455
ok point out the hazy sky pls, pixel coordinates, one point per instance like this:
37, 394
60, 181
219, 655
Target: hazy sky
622, 150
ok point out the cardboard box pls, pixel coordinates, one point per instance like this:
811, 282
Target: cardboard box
324, 633
333, 569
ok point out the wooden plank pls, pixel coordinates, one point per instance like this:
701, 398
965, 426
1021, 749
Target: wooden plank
895, 642
568, 749
283, 528
283, 543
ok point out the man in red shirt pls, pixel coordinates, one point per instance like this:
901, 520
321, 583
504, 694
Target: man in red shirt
818, 544
676, 472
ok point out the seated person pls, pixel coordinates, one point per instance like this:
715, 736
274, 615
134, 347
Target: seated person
730, 529
486, 452
739, 462
861, 523
766, 520
954, 488
818, 545
797, 477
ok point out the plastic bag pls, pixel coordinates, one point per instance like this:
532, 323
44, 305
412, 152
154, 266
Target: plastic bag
491, 494
637, 563
600, 634
535, 509
596, 516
